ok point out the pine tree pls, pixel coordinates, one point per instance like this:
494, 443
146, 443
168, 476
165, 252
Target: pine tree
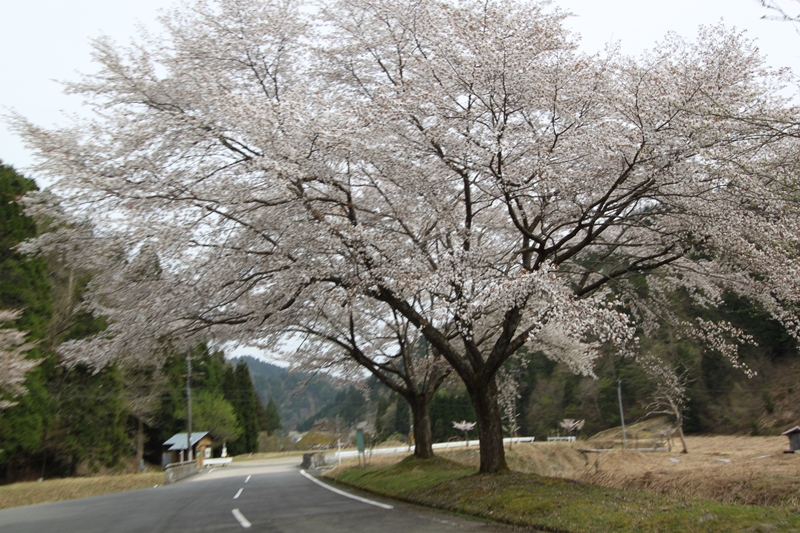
89, 429
272, 419
240, 392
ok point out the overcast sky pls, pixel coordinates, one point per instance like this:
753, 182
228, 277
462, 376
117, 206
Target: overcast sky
47, 40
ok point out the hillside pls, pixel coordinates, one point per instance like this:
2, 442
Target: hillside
297, 395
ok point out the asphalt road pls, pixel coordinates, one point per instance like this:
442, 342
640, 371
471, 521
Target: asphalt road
265, 496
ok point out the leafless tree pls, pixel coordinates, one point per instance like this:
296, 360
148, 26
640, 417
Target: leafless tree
670, 395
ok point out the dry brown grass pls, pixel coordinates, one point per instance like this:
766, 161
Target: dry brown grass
729, 469
266, 455
54, 490
751, 470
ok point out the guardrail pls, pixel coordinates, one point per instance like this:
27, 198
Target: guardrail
313, 460
177, 471
335, 456
218, 461
563, 439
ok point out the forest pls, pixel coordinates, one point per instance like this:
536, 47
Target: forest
77, 419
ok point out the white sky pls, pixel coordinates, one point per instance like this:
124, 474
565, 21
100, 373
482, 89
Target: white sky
47, 40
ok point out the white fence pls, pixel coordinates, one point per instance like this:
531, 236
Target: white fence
335, 456
564, 439
218, 461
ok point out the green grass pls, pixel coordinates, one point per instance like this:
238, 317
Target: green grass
559, 505
406, 478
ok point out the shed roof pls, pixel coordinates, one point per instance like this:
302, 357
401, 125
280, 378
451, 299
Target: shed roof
178, 440
795, 429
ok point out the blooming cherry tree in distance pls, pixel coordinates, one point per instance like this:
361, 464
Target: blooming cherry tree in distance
572, 426
368, 336
466, 427
454, 170
13, 351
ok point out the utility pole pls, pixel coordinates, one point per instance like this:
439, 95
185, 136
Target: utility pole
621, 414
189, 406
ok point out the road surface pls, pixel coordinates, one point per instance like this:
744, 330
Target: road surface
265, 496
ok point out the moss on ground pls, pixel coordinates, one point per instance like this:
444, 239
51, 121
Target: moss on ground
559, 505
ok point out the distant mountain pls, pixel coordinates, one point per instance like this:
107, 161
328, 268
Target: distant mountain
299, 396
349, 405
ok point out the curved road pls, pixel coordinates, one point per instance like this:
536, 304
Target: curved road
268, 496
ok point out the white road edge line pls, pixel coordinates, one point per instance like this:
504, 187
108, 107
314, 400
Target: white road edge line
345, 494
241, 519
238, 494
248, 479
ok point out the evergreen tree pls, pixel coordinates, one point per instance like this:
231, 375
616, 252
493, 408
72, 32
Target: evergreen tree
246, 405
272, 419
401, 417
24, 286
23, 426
89, 429
212, 409
446, 408
23, 280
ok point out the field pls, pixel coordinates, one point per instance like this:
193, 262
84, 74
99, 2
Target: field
724, 484
728, 469
54, 490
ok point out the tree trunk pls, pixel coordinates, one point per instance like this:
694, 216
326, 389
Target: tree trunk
680, 434
490, 428
679, 423
140, 445
423, 438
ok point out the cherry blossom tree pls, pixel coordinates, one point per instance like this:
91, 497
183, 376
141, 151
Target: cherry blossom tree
670, 395
368, 336
571, 425
13, 354
587, 172
783, 12
453, 171
466, 427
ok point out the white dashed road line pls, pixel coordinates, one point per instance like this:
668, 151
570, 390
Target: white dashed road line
238, 494
248, 479
345, 494
241, 519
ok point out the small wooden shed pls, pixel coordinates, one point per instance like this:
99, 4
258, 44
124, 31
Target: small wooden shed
174, 449
794, 438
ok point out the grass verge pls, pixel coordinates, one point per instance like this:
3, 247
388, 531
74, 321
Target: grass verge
558, 505
54, 490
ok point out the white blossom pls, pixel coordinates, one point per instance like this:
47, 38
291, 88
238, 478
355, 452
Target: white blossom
455, 169
13, 354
